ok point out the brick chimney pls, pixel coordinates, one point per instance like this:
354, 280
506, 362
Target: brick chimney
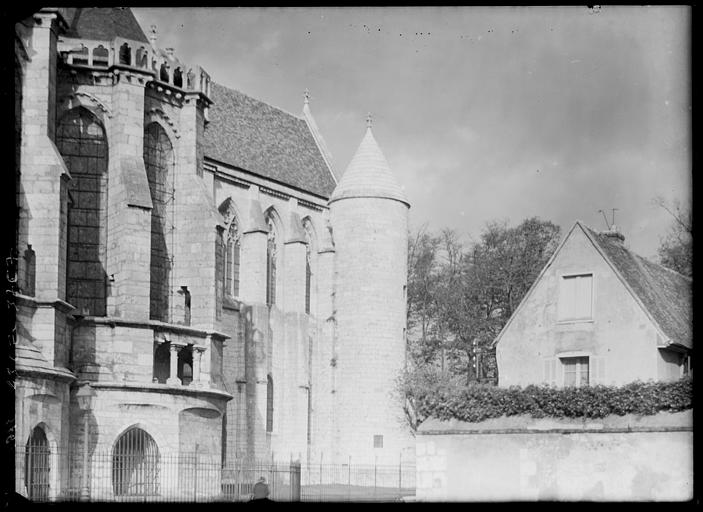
614, 233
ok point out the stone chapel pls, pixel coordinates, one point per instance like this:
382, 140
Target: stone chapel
186, 252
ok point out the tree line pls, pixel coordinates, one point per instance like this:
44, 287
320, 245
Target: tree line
460, 295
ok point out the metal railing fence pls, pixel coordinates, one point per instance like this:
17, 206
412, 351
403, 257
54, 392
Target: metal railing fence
42, 474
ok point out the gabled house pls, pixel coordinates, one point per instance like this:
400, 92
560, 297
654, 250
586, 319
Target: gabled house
598, 314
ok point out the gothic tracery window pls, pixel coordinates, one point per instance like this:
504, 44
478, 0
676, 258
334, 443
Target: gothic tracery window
159, 161
232, 250
308, 275
271, 254
269, 403
310, 251
80, 139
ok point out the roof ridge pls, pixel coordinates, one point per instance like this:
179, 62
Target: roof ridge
634, 254
300, 118
319, 140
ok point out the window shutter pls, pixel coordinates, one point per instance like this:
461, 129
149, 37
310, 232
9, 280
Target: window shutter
584, 285
597, 370
564, 298
550, 371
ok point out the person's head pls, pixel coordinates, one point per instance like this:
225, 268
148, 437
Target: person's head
261, 489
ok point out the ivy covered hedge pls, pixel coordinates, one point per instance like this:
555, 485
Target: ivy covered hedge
445, 400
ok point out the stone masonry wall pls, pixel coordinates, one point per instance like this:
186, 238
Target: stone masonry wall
169, 418
276, 339
616, 458
42, 402
370, 237
129, 204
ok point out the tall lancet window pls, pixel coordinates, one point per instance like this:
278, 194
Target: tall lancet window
159, 162
310, 252
271, 254
308, 275
81, 140
269, 403
232, 259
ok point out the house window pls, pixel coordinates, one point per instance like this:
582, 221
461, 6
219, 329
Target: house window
686, 365
135, 464
576, 297
378, 441
269, 403
575, 371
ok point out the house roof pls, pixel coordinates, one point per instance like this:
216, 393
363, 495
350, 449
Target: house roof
103, 23
368, 174
664, 295
256, 137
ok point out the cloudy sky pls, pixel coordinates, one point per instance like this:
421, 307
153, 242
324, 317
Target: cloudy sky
482, 113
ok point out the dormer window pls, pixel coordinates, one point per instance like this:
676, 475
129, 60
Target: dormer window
576, 297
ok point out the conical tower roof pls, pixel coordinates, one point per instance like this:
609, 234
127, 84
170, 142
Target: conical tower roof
368, 174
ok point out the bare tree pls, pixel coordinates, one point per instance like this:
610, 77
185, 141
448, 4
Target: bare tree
676, 248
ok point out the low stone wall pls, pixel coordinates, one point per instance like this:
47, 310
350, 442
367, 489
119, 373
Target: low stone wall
618, 458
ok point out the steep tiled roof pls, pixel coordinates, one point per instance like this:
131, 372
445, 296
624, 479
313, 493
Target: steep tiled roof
368, 174
259, 138
665, 294
103, 23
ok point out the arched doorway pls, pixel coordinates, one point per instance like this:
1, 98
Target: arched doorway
37, 466
135, 464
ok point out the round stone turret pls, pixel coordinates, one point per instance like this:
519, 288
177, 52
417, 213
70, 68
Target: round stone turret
369, 217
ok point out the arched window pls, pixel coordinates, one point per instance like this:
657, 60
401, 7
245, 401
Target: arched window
80, 139
271, 254
101, 56
159, 161
232, 259
178, 77
269, 403
125, 55
310, 252
135, 464
163, 72
37, 466
142, 56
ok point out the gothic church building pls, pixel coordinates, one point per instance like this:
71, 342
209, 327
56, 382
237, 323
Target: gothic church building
186, 253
